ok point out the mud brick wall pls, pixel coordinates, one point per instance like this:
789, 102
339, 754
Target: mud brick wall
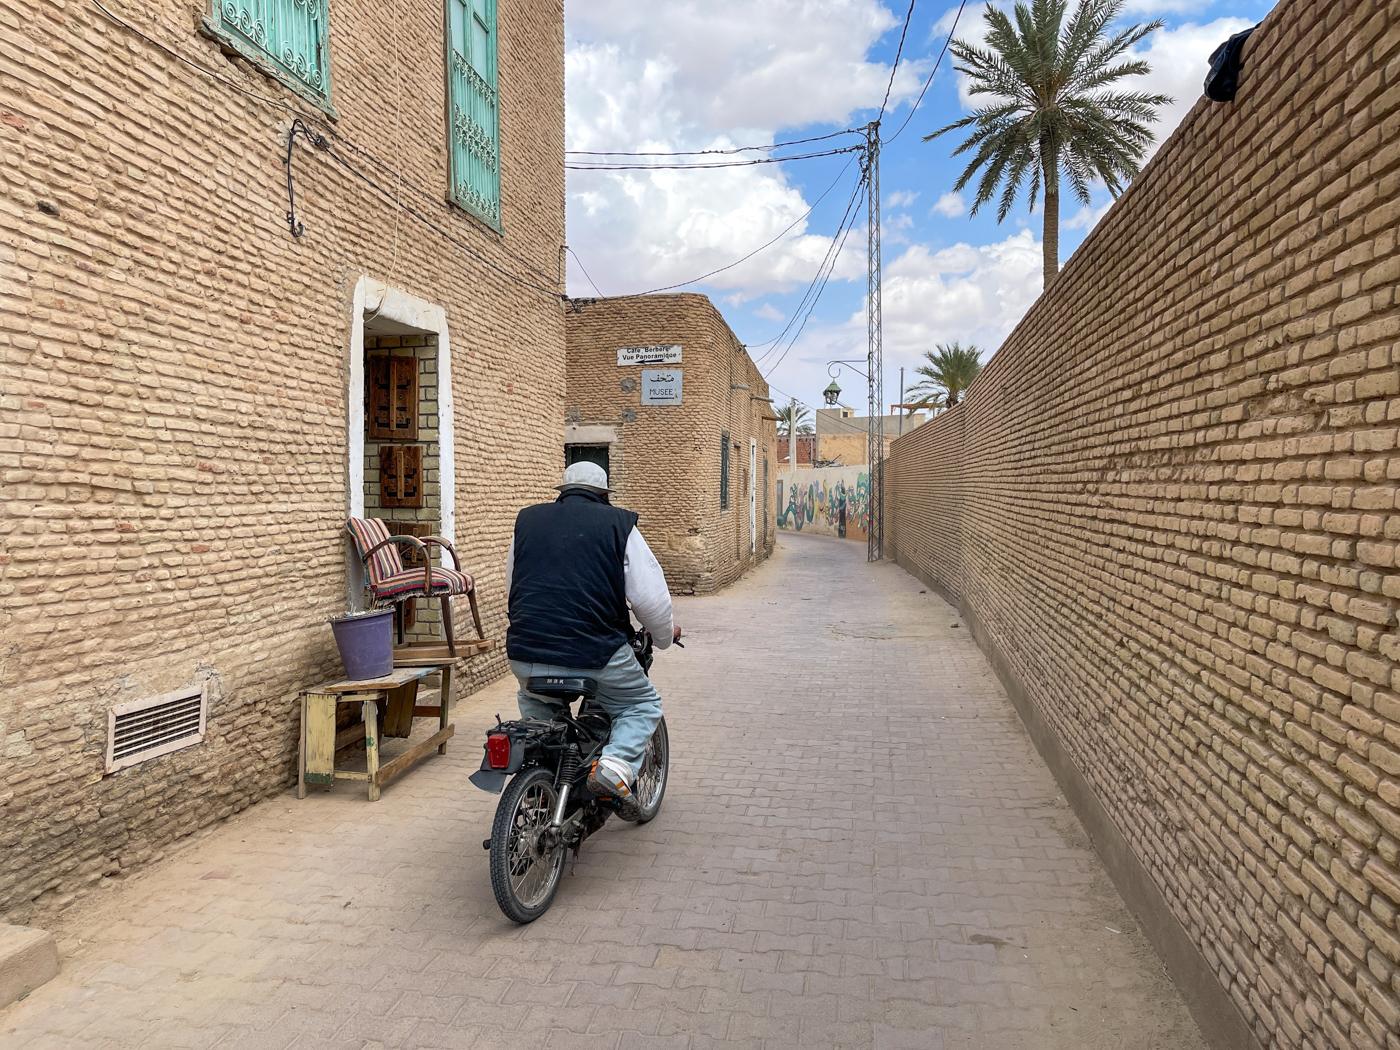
175, 394
665, 459
1168, 506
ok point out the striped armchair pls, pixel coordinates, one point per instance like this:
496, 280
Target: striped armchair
390, 582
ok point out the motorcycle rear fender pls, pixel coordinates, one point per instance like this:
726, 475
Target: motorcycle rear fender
492, 780
517, 751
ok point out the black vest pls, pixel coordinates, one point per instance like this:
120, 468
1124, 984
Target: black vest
568, 595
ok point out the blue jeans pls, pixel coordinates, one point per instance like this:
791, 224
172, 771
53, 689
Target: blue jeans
624, 692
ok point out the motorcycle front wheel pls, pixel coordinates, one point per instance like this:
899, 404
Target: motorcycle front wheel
525, 872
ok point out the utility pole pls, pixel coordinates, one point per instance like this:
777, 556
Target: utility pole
792, 435
874, 323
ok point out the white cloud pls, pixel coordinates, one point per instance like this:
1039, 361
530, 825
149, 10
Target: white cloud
1180, 58
901, 199
975, 294
769, 312
971, 15
1086, 218
660, 77
950, 204
1151, 8
972, 294
753, 63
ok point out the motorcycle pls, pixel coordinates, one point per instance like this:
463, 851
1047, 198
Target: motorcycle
548, 808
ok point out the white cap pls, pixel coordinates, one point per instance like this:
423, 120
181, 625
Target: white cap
585, 475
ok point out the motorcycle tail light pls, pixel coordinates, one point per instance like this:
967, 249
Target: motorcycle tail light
498, 750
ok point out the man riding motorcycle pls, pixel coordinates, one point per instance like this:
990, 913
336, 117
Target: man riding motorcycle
572, 569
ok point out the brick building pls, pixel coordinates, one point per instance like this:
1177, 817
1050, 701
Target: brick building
662, 394
1169, 512
192, 395
844, 437
806, 451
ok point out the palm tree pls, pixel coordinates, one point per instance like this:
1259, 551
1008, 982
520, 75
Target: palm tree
1053, 115
795, 416
946, 374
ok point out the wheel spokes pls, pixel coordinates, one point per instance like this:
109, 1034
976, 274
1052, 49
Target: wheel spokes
649, 777
531, 873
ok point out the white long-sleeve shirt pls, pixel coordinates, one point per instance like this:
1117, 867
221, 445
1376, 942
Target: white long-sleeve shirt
647, 592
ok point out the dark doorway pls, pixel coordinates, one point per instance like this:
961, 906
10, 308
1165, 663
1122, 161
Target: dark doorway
587, 454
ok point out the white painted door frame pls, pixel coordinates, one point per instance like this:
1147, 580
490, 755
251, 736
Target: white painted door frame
753, 495
394, 305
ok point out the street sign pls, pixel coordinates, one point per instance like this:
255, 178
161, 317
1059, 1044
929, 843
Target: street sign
648, 355
661, 386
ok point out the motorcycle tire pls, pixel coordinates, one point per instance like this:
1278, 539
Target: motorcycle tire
651, 779
523, 879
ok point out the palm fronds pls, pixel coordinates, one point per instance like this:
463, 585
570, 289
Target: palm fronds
1053, 114
947, 371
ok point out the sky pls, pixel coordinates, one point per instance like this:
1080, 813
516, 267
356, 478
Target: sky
674, 75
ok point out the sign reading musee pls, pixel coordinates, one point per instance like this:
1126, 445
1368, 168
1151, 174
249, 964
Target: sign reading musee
661, 386
648, 355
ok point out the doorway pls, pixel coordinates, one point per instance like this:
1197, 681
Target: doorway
379, 315
587, 454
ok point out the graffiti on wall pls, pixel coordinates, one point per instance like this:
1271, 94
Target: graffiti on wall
834, 501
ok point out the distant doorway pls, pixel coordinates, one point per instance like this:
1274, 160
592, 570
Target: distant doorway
587, 454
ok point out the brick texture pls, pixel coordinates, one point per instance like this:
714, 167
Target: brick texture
943, 897
1170, 501
174, 391
665, 459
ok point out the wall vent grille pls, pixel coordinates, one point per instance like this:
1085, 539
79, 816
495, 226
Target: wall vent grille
157, 725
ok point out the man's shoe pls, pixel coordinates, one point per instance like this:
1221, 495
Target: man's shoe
609, 780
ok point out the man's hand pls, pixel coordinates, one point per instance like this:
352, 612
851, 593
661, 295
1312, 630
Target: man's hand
676, 632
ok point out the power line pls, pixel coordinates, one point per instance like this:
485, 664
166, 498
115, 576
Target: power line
814, 291
552, 292
898, 52
436, 201
796, 335
585, 272
929, 81
703, 152
816, 277
714, 164
746, 258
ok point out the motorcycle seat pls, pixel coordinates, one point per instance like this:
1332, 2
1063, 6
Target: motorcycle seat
561, 687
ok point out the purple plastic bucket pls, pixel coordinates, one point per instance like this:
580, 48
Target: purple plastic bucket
366, 644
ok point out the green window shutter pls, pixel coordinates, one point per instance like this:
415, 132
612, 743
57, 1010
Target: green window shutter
724, 470
475, 134
288, 34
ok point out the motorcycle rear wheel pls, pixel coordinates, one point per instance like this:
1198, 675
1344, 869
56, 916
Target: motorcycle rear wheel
524, 876
651, 778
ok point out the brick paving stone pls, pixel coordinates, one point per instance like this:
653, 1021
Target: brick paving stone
859, 849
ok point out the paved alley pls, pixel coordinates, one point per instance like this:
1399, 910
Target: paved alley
859, 848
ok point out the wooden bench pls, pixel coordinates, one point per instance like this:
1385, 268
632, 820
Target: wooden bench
398, 693
320, 741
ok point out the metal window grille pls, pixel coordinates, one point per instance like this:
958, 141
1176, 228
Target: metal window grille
475, 132
286, 37
724, 470
157, 725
